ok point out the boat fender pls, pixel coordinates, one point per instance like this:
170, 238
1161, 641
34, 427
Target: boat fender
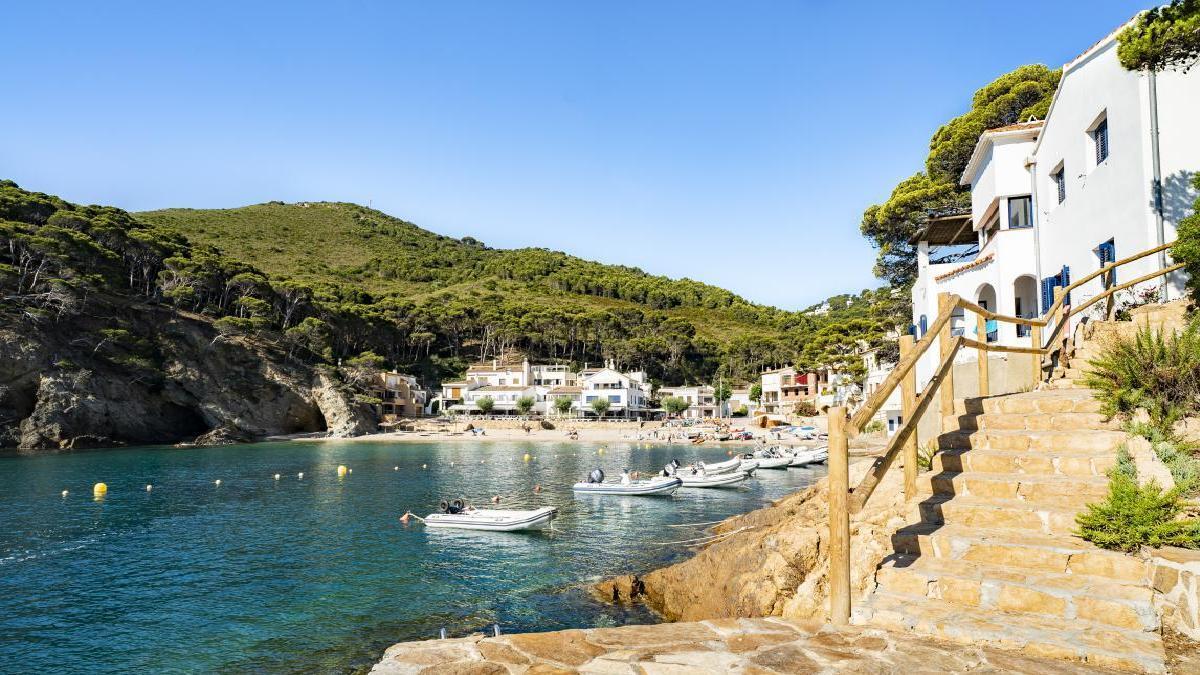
444, 506
458, 505
596, 476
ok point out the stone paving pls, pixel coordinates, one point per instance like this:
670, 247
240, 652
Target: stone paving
750, 646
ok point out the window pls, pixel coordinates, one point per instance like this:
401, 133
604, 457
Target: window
1020, 212
1100, 141
1060, 182
992, 227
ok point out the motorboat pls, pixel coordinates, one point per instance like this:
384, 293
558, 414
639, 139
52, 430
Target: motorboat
772, 459
806, 456
659, 485
728, 466
494, 520
703, 479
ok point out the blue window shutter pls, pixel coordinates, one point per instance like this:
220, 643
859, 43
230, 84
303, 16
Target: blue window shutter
1065, 276
1047, 293
924, 325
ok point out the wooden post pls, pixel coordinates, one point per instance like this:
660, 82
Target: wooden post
908, 405
1035, 338
1110, 306
839, 518
945, 344
984, 386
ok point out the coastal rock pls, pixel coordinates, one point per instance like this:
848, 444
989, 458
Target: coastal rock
777, 562
344, 416
68, 387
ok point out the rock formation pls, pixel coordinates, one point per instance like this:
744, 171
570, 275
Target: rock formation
189, 383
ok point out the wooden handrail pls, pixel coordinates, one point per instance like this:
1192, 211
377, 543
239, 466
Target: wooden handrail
866, 486
983, 346
1107, 268
992, 316
872, 405
1133, 282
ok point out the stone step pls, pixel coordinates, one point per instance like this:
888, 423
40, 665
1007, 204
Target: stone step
1061, 384
978, 512
1030, 463
1029, 551
1045, 441
1097, 645
1031, 421
1046, 402
1066, 596
1065, 492
1071, 373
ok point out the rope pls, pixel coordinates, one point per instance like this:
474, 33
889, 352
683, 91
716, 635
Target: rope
707, 539
711, 522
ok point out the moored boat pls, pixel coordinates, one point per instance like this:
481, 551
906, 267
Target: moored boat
659, 485
806, 456
701, 479
494, 520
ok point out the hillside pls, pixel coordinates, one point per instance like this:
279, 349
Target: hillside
99, 346
455, 300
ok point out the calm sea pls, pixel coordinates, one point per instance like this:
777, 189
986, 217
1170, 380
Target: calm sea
316, 574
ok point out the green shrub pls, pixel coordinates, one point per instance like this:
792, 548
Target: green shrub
1179, 456
742, 411
1133, 516
925, 455
874, 426
806, 409
1160, 374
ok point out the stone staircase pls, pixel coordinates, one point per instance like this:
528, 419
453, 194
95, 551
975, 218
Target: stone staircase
989, 557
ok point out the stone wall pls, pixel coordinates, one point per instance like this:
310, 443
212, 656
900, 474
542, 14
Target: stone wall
1176, 574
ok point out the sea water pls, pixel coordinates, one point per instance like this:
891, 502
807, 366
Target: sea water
317, 574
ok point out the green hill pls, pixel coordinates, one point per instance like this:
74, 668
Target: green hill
453, 300
330, 281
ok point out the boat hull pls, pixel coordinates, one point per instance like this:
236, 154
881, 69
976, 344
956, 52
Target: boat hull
494, 520
774, 462
723, 480
651, 488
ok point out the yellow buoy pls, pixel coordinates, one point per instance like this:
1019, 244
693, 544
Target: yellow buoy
527, 457
99, 489
341, 470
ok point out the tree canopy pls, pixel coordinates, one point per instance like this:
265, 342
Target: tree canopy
1162, 38
1013, 97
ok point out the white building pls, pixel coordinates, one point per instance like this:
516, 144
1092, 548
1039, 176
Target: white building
628, 394
739, 398
1097, 162
1052, 201
701, 399
890, 413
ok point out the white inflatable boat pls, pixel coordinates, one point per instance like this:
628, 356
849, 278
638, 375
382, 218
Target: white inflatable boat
774, 462
707, 480
806, 456
471, 518
661, 485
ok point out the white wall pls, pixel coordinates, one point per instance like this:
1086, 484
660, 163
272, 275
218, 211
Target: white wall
1112, 200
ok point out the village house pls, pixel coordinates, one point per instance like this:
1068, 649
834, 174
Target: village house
1106, 174
890, 413
739, 398
783, 388
511, 377
400, 396
701, 400
628, 393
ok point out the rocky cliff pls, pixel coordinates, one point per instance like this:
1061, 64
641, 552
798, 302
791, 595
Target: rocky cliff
165, 377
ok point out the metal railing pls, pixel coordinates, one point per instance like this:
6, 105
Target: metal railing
844, 501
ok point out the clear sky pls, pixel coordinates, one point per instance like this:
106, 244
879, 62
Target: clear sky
736, 143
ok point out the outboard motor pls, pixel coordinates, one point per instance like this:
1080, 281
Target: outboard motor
596, 476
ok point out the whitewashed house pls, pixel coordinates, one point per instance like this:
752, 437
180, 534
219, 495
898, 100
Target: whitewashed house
890, 413
1111, 168
628, 394
701, 399
1053, 200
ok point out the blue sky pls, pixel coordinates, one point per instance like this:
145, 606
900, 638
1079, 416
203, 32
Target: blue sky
686, 138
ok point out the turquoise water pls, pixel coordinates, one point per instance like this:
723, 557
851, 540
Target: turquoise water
317, 574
